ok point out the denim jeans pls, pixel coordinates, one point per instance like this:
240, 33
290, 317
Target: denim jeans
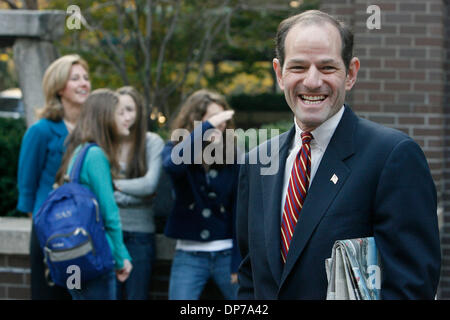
191, 271
141, 247
101, 288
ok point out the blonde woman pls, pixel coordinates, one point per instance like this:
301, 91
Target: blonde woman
66, 87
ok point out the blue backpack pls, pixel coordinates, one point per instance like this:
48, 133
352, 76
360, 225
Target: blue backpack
70, 230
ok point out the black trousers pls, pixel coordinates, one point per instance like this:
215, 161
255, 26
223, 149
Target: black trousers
40, 290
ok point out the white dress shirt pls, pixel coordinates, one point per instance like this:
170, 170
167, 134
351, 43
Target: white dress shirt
321, 137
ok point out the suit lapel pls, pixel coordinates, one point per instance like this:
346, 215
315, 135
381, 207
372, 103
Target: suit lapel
322, 190
271, 191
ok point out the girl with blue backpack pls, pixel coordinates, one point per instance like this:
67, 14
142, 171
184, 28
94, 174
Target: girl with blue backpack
101, 122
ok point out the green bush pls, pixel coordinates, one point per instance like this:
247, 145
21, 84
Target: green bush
282, 126
259, 102
11, 133
246, 139
163, 132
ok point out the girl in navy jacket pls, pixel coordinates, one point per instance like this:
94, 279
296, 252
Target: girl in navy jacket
204, 174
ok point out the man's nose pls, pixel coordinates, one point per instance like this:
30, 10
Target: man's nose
313, 78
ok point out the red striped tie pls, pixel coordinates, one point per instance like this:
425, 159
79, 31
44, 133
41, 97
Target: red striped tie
296, 193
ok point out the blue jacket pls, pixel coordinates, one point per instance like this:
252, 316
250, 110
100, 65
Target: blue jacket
40, 157
203, 211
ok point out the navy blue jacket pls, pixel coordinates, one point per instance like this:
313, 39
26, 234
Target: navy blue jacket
205, 202
384, 189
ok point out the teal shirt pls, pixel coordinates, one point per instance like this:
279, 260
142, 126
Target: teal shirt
41, 152
96, 175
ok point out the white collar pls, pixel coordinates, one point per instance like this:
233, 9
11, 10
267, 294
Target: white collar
323, 133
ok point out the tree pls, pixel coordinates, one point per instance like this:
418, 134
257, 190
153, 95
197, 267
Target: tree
22, 4
7, 78
155, 45
163, 47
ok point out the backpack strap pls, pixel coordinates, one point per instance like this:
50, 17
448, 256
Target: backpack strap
78, 164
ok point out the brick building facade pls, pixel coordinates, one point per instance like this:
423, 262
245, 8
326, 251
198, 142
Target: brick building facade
444, 292
404, 83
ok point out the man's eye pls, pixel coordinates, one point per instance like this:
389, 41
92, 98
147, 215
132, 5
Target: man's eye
328, 68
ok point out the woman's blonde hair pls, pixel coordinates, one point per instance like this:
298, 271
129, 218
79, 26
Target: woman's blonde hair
55, 79
96, 124
136, 162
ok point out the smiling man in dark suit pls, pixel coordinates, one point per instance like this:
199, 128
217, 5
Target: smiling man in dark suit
340, 177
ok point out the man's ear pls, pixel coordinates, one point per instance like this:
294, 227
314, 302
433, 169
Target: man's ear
352, 73
278, 68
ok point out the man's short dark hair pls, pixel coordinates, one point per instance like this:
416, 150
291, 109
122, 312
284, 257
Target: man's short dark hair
315, 17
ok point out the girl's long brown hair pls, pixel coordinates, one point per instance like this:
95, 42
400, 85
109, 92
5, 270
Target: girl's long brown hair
137, 158
195, 108
96, 124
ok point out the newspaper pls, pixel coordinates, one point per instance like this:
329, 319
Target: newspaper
354, 270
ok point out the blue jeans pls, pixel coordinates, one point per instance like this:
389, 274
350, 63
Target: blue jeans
141, 247
101, 288
191, 271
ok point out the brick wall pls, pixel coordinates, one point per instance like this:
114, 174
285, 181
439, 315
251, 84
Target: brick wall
400, 83
14, 277
404, 83
444, 292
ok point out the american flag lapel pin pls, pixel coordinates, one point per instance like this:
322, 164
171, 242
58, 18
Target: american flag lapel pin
334, 179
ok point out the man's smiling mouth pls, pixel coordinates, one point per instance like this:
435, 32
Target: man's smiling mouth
312, 99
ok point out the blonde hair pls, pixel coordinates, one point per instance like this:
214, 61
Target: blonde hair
55, 79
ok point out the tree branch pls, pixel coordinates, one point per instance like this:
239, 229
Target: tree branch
166, 39
210, 36
98, 30
11, 4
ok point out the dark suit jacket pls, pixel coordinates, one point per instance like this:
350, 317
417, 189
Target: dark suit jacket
384, 189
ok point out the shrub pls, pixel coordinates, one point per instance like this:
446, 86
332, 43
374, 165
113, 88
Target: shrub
283, 126
11, 133
247, 141
259, 102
